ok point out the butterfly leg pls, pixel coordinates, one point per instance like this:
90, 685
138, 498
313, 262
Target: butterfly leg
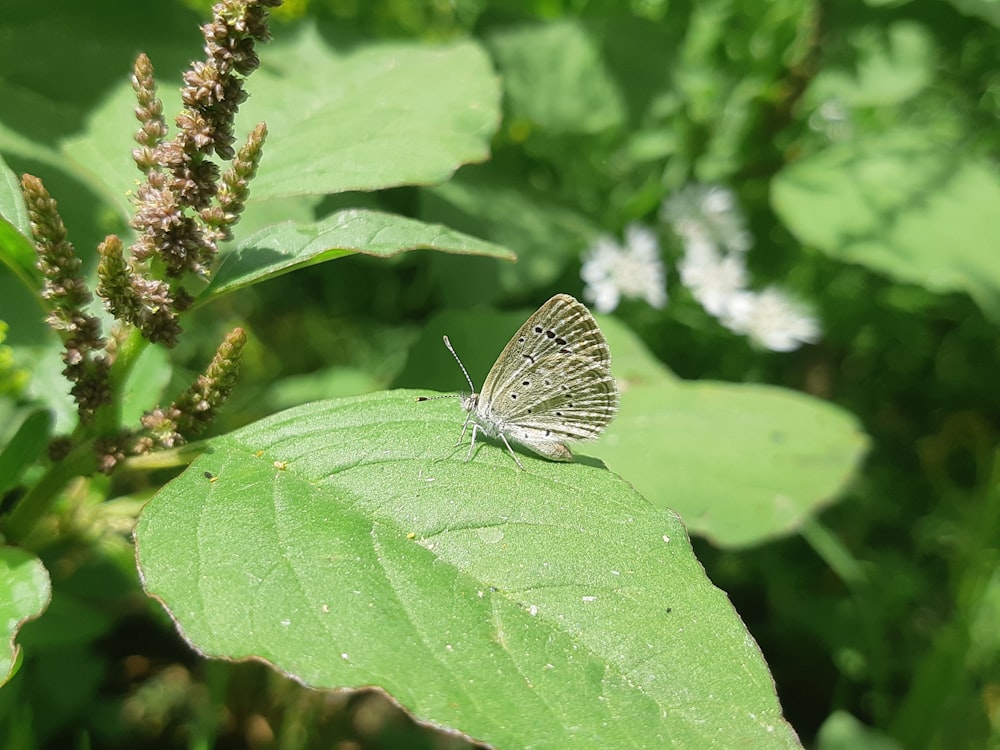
472, 443
512, 454
465, 427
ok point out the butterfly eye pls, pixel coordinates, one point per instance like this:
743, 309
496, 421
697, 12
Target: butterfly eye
525, 383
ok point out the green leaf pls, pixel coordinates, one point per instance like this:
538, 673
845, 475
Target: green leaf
740, 463
349, 543
888, 66
841, 731
554, 77
988, 10
12, 206
904, 204
145, 385
25, 592
286, 247
378, 116
24, 448
16, 250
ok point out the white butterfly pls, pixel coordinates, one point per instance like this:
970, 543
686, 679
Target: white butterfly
551, 383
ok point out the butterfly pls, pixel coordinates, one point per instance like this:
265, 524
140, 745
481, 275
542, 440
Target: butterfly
551, 383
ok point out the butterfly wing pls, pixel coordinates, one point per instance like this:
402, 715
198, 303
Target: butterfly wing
562, 326
552, 382
567, 398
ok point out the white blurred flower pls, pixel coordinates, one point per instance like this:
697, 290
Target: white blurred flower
612, 271
713, 279
771, 319
833, 119
707, 212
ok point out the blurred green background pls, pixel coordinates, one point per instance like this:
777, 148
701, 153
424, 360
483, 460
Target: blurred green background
860, 143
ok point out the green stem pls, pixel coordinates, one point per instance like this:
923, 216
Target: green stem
39, 499
107, 421
81, 460
833, 553
168, 458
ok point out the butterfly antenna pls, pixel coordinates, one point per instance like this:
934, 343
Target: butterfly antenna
464, 371
455, 355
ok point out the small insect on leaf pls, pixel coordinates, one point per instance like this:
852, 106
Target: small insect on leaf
551, 383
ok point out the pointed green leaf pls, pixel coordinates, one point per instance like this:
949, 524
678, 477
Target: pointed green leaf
286, 247
548, 236
349, 543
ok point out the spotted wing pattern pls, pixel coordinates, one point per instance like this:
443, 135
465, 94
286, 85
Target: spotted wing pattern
552, 382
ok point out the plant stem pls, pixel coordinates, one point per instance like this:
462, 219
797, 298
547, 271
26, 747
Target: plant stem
40, 498
107, 421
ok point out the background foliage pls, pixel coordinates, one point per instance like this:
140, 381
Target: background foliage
845, 495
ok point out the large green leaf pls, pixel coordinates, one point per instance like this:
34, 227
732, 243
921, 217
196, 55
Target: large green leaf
282, 248
25, 592
555, 78
375, 117
349, 543
888, 65
379, 116
904, 204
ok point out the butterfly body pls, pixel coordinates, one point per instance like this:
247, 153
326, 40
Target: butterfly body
551, 383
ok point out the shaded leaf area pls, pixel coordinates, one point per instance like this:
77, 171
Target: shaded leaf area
285, 247
904, 205
548, 235
25, 592
349, 543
